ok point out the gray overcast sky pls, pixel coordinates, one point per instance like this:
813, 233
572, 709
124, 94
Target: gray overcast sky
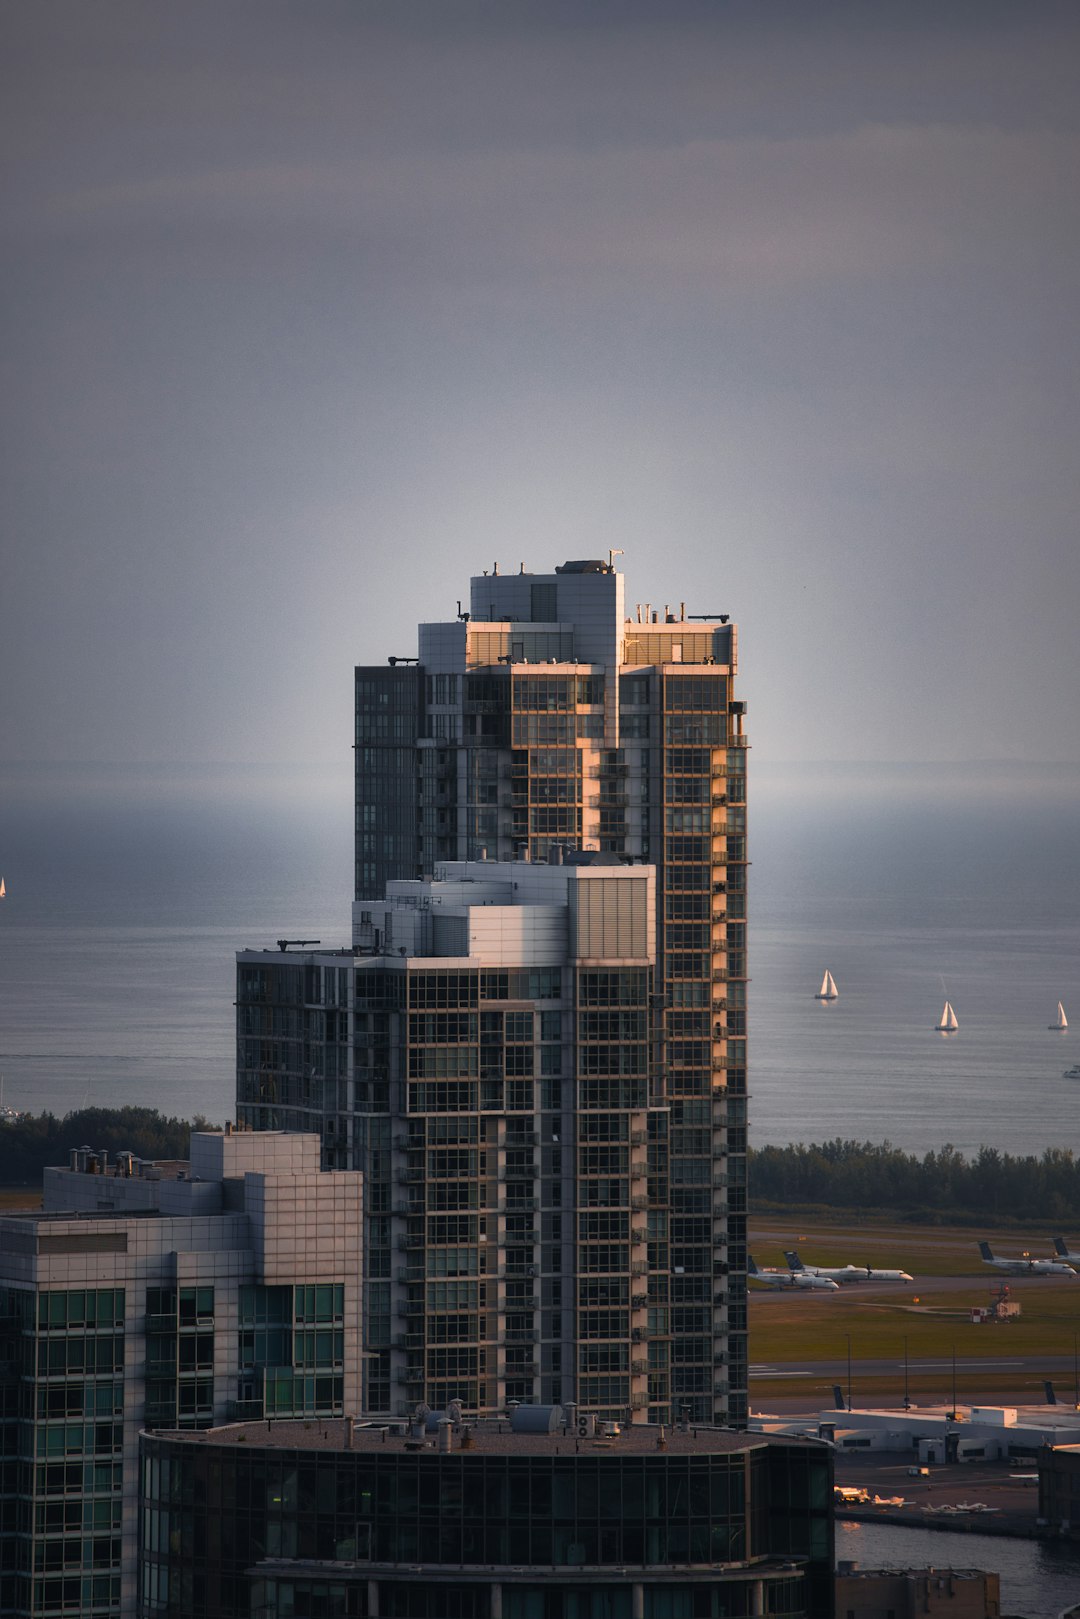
314, 310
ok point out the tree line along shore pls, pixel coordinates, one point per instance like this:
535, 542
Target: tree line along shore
939, 1188
31, 1142
942, 1187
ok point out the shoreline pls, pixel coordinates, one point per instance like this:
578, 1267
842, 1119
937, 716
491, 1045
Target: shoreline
1006, 1525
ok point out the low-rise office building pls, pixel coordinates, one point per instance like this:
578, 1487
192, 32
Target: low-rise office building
940, 1434
873, 1593
1059, 1488
499, 1520
182, 1295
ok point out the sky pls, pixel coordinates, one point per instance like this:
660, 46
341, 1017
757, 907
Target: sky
312, 311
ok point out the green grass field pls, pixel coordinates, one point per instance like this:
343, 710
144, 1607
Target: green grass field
932, 1316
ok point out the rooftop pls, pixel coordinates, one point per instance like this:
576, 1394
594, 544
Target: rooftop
492, 1438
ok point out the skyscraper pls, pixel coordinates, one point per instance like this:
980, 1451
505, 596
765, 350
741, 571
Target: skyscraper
542, 726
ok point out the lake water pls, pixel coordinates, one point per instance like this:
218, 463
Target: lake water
1038, 1580
128, 898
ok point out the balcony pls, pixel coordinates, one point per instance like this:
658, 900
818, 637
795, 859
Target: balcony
162, 1411
639, 1301
639, 1367
244, 1410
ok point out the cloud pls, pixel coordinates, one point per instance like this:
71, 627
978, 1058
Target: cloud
707, 218
782, 295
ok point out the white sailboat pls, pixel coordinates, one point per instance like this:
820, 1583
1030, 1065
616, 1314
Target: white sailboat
1062, 1021
948, 1023
828, 990
3, 889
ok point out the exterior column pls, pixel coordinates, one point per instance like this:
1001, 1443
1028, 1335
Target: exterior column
496, 1600
637, 1600
373, 1598
757, 1597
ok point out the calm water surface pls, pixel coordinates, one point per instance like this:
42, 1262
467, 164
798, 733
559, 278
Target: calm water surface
1038, 1581
123, 915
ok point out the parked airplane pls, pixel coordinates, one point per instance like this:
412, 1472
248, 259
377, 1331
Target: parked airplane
786, 1278
1061, 1248
1024, 1265
846, 1273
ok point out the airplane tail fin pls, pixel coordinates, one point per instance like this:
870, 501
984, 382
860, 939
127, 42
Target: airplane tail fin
794, 1262
838, 1398
1061, 1247
1051, 1397
984, 1249
751, 1268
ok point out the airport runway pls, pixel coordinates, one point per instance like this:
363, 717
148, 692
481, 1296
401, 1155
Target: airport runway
1044, 1365
925, 1286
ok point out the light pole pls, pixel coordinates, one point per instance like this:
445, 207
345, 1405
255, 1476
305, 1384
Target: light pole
907, 1393
847, 1335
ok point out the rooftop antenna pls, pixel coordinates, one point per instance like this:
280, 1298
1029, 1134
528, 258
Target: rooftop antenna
283, 944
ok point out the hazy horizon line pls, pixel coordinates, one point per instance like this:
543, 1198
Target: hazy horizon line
58, 766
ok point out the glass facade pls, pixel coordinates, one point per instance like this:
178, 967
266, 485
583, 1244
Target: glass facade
390, 717
292, 1049
62, 1391
702, 1533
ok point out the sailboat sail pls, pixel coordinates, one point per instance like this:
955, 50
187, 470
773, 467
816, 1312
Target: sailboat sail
828, 990
1062, 1021
948, 1021
3, 889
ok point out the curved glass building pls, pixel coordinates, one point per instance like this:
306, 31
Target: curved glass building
438, 1521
